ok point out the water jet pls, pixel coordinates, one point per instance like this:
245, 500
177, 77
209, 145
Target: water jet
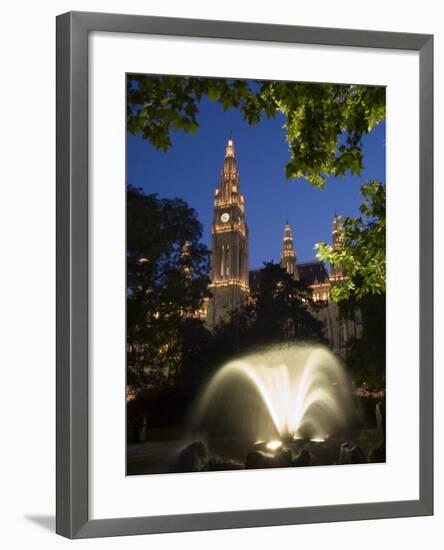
279, 394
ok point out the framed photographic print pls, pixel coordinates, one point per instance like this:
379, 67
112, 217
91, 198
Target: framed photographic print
244, 275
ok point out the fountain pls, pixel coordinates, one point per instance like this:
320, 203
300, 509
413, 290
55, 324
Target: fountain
284, 406
283, 393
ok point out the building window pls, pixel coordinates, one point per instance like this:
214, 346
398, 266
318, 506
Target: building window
227, 261
222, 261
240, 262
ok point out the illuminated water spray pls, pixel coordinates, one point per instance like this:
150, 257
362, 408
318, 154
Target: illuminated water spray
294, 391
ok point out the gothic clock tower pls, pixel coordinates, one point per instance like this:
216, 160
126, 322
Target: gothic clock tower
229, 250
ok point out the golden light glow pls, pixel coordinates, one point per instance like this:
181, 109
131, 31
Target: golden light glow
224, 203
131, 394
273, 445
232, 282
229, 152
219, 228
291, 383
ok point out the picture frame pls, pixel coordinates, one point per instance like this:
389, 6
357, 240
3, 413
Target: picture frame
73, 341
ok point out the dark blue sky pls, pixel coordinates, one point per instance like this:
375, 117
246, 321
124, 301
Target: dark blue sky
190, 170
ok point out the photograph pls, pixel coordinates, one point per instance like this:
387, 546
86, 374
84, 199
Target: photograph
255, 274
224, 334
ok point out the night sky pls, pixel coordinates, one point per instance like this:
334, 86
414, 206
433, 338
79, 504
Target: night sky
190, 170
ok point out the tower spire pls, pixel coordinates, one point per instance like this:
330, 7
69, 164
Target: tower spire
229, 151
336, 271
288, 254
336, 233
185, 260
229, 179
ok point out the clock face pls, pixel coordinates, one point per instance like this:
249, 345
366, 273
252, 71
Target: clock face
225, 217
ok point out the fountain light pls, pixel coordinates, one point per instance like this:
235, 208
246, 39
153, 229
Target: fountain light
317, 440
273, 445
291, 388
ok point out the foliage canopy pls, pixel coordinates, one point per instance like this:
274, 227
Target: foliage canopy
324, 123
362, 254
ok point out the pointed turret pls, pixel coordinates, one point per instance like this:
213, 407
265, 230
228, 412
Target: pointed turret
185, 260
227, 192
336, 241
336, 233
288, 255
230, 167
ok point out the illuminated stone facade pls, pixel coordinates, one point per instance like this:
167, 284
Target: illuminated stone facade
230, 275
337, 329
229, 258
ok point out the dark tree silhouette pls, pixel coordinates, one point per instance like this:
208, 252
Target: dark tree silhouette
280, 310
167, 281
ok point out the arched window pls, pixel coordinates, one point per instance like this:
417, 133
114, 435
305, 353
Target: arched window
222, 261
227, 261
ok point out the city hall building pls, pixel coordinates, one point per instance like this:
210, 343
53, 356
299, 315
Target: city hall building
232, 280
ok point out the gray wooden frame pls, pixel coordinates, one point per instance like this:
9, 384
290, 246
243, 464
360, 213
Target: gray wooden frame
72, 273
